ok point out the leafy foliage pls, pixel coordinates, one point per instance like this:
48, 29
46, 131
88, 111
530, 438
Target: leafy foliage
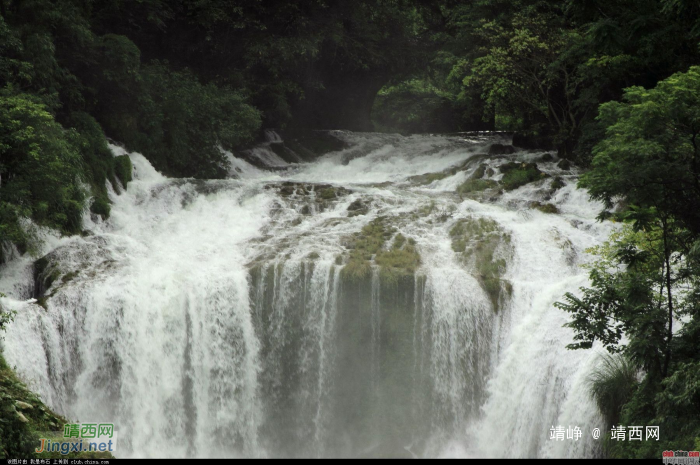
181, 123
40, 170
651, 152
644, 283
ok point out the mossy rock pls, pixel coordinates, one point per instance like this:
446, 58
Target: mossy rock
319, 192
429, 178
476, 185
327, 194
123, 169
545, 207
367, 247
518, 174
289, 188
479, 172
400, 261
363, 246
358, 207
100, 206
476, 242
557, 183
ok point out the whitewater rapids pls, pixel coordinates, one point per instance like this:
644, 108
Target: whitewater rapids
213, 318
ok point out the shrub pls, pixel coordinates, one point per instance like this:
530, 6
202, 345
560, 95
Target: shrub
612, 385
41, 169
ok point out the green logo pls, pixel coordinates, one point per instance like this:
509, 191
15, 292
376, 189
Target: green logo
88, 430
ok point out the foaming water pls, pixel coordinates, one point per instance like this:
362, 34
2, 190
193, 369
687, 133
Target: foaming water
219, 318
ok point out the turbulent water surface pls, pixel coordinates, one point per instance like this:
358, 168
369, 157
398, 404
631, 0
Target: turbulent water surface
231, 318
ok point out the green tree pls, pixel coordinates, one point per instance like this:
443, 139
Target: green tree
645, 282
534, 70
40, 171
651, 152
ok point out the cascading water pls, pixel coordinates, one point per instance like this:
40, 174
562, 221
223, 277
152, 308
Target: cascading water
353, 306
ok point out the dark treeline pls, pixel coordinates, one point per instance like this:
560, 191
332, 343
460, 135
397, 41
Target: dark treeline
609, 84
175, 80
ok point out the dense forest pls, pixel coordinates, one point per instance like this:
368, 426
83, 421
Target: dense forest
613, 86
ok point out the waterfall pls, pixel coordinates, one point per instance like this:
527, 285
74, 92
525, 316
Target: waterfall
353, 306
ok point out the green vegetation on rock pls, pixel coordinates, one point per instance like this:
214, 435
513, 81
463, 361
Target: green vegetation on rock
368, 246
557, 183
123, 169
545, 207
401, 260
478, 241
476, 185
519, 174
25, 418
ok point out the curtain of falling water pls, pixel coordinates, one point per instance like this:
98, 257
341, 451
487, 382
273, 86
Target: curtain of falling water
213, 318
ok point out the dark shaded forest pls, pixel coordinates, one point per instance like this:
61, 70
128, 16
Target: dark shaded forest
613, 86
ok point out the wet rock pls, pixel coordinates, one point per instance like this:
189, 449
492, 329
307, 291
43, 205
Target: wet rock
476, 185
518, 174
290, 188
479, 172
326, 193
501, 149
564, 165
358, 207
557, 183
545, 207
428, 178
45, 273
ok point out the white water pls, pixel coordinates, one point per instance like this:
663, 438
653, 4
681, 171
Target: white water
211, 319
